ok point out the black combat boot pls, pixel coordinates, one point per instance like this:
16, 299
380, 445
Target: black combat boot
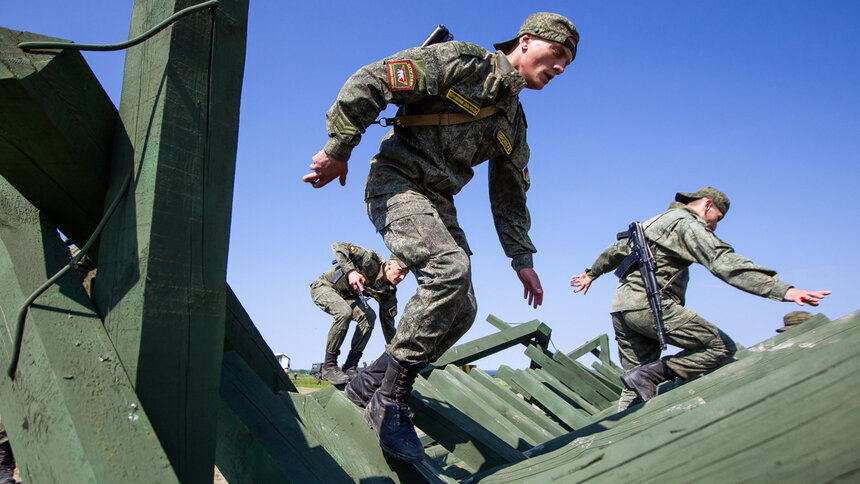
7, 464
387, 413
350, 366
331, 372
364, 385
644, 379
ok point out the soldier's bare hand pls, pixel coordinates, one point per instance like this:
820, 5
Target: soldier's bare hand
324, 169
581, 282
532, 290
356, 280
802, 297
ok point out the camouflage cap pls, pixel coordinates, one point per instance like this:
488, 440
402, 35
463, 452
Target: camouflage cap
719, 198
399, 262
548, 26
792, 319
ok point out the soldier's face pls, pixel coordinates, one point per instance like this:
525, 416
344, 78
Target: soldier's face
712, 216
542, 60
394, 273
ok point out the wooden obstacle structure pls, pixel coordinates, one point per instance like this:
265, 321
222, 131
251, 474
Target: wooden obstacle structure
157, 374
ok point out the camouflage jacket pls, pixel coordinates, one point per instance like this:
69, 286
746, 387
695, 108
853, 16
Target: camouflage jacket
679, 237
368, 263
437, 161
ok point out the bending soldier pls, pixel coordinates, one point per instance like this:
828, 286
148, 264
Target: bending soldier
679, 237
459, 107
340, 291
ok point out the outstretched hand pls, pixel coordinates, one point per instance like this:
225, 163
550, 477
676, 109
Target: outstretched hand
581, 283
324, 169
801, 296
532, 290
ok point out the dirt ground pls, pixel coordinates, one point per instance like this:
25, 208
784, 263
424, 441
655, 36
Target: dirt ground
219, 479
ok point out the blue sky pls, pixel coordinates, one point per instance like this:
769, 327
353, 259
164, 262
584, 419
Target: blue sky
758, 99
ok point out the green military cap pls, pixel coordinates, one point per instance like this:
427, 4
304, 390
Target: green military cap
719, 198
399, 262
792, 319
548, 26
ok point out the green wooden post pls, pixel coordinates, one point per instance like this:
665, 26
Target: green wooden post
526, 333
162, 260
71, 410
56, 132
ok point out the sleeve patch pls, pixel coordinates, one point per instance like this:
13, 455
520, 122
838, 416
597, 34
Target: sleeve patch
461, 102
344, 127
352, 249
504, 142
401, 75
392, 311
526, 176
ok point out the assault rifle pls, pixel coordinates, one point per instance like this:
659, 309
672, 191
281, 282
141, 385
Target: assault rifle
440, 34
340, 273
641, 254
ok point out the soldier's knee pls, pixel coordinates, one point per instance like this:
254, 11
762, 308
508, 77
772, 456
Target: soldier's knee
459, 269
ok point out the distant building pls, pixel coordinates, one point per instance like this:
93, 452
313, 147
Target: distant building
284, 360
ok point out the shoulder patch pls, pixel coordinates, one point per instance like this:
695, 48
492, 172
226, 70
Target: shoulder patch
504, 142
401, 75
392, 311
461, 102
352, 249
526, 176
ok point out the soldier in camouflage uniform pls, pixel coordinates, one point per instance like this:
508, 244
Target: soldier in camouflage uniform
679, 237
357, 271
458, 107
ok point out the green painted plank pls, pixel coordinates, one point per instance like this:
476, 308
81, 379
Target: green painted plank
593, 379
71, 410
458, 394
506, 399
273, 435
788, 424
513, 415
481, 347
244, 338
478, 448
506, 374
498, 323
56, 133
609, 372
567, 376
764, 359
341, 430
553, 383
551, 403
162, 262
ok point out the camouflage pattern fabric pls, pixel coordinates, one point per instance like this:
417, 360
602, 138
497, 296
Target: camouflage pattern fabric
437, 161
341, 301
443, 307
413, 179
678, 238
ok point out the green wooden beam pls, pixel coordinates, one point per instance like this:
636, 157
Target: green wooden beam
261, 439
341, 430
71, 410
568, 376
510, 399
163, 255
245, 339
478, 448
595, 380
498, 323
533, 331
544, 397
56, 133
550, 381
510, 416
451, 390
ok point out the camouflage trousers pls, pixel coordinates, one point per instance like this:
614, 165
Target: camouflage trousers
705, 346
344, 310
427, 237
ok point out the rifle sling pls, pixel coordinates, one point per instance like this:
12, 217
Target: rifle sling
441, 119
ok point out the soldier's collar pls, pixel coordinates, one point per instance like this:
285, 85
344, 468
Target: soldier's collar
511, 78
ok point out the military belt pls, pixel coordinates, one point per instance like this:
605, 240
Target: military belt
441, 119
